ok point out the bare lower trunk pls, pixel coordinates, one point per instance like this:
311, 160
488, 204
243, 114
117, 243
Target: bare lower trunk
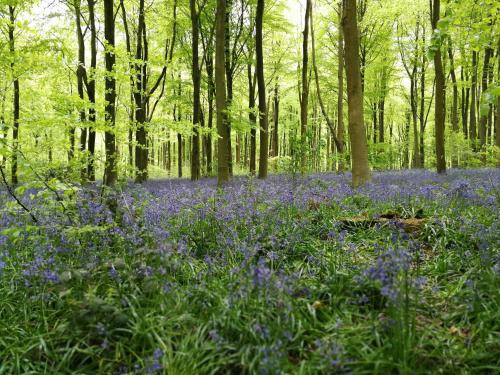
357, 132
220, 95
263, 121
440, 103
110, 170
15, 103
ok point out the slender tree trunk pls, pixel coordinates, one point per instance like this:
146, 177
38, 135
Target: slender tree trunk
381, 119
16, 104
3, 130
423, 117
80, 79
440, 103
111, 167
276, 117
141, 148
229, 81
263, 121
375, 119
454, 108
131, 86
464, 103
211, 93
497, 111
196, 75
414, 112
483, 119
220, 95
91, 91
304, 100
357, 132
252, 118
472, 122
340, 94
179, 155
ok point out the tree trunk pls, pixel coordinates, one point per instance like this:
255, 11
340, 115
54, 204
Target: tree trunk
80, 80
304, 100
131, 86
110, 171
141, 148
483, 119
16, 105
464, 103
440, 103
423, 117
472, 122
196, 75
179, 155
340, 94
229, 81
359, 149
220, 95
497, 111
91, 91
252, 118
263, 121
454, 108
276, 118
211, 93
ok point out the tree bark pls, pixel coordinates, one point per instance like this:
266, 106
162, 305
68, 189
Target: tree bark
464, 103
440, 103
473, 100
211, 93
357, 132
483, 117
252, 118
15, 102
304, 100
91, 92
131, 86
263, 120
423, 117
196, 76
454, 108
340, 94
111, 168
276, 118
220, 95
141, 148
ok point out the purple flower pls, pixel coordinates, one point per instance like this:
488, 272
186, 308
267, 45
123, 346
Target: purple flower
50, 276
158, 353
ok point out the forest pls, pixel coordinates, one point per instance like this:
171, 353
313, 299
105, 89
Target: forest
249, 186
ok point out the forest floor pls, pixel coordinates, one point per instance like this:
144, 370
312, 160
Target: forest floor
292, 275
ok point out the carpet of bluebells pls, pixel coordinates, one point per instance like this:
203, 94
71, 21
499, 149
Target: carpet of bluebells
292, 275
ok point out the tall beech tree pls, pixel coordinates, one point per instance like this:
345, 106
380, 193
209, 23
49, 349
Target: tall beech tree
440, 102
110, 170
340, 91
304, 97
357, 133
263, 120
220, 94
16, 94
196, 76
483, 115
